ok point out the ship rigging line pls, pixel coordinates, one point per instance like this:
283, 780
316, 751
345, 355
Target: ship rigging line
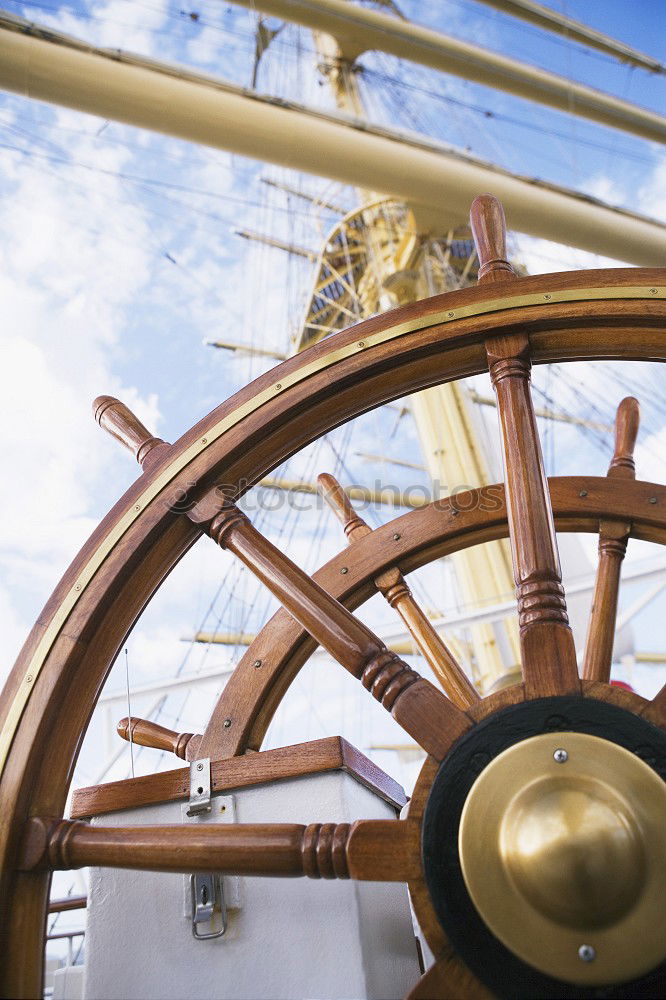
498, 116
561, 24
136, 180
285, 45
183, 17
201, 109
147, 181
357, 30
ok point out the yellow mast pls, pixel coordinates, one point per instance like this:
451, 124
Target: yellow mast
382, 254
389, 262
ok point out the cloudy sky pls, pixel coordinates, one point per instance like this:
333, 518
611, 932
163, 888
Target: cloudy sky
118, 259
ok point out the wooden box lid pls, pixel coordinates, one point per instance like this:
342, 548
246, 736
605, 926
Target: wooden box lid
253, 768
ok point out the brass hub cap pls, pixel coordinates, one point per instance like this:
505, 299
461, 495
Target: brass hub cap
563, 853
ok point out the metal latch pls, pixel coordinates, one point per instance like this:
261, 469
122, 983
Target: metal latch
199, 787
208, 906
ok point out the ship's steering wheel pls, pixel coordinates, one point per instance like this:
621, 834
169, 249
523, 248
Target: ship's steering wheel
533, 846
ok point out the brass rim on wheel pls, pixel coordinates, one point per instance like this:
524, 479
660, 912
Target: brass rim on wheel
72, 646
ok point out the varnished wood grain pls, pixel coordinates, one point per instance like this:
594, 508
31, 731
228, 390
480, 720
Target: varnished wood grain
613, 537
370, 850
418, 891
253, 693
547, 646
627, 422
488, 226
600, 638
336, 498
384, 850
277, 849
513, 695
125, 426
82, 647
317, 757
348, 640
149, 734
454, 681
613, 695
449, 979
393, 586
424, 712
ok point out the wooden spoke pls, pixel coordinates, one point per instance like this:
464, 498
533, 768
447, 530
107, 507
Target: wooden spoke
613, 537
393, 586
353, 526
384, 850
423, 711
657, 710
371, 850
122, 424
614, 313
548, 653
149, 734
449, 979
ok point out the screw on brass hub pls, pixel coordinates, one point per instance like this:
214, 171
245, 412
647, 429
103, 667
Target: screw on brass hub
565, 858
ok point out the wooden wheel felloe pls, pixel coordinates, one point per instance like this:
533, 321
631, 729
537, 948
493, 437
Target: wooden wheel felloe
503, 326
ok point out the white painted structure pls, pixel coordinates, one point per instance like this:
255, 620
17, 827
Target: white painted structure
286, 938
68, 983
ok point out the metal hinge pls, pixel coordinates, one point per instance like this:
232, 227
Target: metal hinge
199, 787
208, 904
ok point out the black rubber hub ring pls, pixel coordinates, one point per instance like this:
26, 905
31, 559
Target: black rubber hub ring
502, 971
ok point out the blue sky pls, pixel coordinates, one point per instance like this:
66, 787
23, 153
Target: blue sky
118, 258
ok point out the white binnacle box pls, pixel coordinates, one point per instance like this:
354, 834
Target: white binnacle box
286, 938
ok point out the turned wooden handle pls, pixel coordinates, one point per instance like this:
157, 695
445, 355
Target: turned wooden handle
547, 646
393, 586
598, 656
251, 849
627, 420
278, 849
613, 538
373, 850
340, 504
149, 734
423, 711
125, 426
486, 219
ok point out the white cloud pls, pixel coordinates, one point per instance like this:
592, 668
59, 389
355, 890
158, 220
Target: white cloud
650, 457
113, 24
543, 257
69, 270
606, 189
78, 262
652, 194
